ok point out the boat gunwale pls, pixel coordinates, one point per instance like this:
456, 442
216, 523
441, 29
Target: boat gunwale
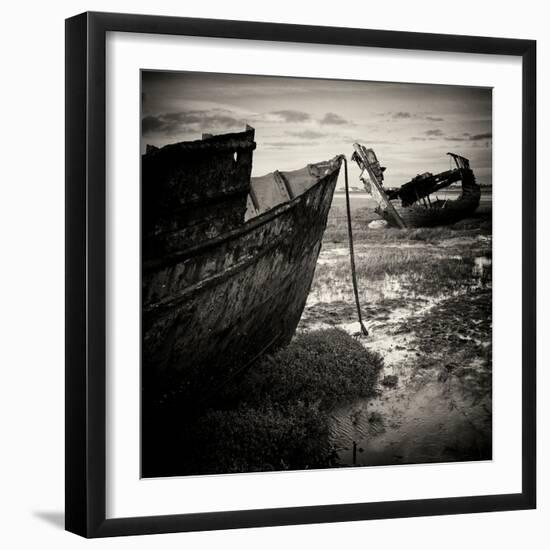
246, 227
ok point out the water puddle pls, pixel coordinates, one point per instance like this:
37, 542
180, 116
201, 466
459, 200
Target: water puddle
428, 421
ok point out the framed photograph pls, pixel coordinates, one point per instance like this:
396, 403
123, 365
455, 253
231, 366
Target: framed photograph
300, 274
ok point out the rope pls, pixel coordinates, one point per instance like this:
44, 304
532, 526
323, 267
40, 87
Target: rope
351, 252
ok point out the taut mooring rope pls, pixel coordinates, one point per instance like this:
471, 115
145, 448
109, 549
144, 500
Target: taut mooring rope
351, 252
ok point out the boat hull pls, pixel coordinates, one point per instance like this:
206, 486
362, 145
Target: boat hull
211, 310
194, 191
448, 212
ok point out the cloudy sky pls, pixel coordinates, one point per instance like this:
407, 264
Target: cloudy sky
300, 121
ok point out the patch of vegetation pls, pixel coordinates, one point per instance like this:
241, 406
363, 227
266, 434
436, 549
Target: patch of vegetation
423, 270
417, 263
275, 416
389, 381
270, 437
323, 367
337, 229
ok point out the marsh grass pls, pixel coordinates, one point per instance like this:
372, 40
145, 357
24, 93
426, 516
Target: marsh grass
418, 264
423, 270
427, 260
337, 229
321, 367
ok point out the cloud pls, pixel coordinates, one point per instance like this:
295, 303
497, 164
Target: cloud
289, 115
437, 132
468, 137
173, 123
307, 134
478, 137
401, 114
283, 144
169, 124
366, 142
333, 118
151, 125
408, 115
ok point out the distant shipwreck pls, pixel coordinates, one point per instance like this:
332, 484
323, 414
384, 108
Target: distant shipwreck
412, 204
228, 260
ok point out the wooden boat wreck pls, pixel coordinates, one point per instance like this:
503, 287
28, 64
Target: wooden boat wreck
227, 260
413, 204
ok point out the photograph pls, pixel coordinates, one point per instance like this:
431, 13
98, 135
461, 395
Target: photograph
316, 273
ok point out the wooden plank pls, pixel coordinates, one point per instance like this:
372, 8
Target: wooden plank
364, 164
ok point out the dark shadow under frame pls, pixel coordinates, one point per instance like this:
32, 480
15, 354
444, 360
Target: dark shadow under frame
85, 490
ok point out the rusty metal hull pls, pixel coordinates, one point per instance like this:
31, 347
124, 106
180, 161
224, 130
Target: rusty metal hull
210, 310
417, 209
450, 212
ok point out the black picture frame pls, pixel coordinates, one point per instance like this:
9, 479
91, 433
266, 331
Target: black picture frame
86, 284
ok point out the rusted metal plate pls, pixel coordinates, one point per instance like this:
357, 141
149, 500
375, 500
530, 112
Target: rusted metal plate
447, 212
417, 209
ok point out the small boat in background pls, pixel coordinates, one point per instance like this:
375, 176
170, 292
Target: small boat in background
416, 206
227, 260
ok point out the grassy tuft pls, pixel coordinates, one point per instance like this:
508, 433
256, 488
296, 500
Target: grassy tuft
337, 231
321, 367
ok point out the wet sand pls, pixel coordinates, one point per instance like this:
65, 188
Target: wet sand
426, 301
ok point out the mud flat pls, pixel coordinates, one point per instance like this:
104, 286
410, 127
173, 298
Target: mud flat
426, 297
